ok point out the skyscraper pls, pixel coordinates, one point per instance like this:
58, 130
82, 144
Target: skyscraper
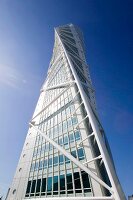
66, 153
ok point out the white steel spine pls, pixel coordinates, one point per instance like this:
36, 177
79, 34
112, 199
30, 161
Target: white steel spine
104, 153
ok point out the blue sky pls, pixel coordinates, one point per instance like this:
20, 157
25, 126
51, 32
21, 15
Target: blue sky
26, 43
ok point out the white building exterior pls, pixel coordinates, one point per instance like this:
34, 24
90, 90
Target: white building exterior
66, 153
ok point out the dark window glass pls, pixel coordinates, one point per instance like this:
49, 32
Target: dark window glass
55, 183
69, 183
33, 186
50, 162
41, 164
43, 189
55, 160
49, 184
61, 159
77, 180
28, 187
77, 135
45, 163
62, 182
74, 153
38, 185
85, 179
81, 154
67, 160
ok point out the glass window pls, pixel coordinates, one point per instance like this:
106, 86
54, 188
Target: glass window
74, 153
45, 163
49, 184
62, 182
69, 183
61, 159
69, 122
55, 183
68, 111
36, 165
85, 179
50, 146
41, 164
77, 181
67, 160
55, 160
60, 128
61, 141
38, 185
50, 162
77, 135
43, 188
65, 139
81, 154
72, 108
74, 120
33, 186
64, 126
47, 147
71, 137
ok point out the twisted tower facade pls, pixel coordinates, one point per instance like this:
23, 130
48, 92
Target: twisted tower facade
66, 153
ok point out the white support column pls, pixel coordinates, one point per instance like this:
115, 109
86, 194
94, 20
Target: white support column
85, 139
105, 155
97, 158
60, 85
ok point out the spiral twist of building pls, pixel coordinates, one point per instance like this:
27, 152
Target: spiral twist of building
66, 153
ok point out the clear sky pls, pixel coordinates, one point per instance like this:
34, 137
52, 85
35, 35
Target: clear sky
26, 43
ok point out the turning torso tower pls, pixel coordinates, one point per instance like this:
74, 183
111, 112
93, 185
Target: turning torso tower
66, 154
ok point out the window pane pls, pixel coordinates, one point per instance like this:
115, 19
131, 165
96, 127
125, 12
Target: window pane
56, 160
67, 160
45, 163
85, 179
41, 164
65, 140
74, 120
43, 189
33, 186
77, 180
50, 162
74, 153
71, 137
38, 185
61, 141
55, 183
69, 182
36, 166
61, 159
62, 182
77, 135
81, 154
49, 184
